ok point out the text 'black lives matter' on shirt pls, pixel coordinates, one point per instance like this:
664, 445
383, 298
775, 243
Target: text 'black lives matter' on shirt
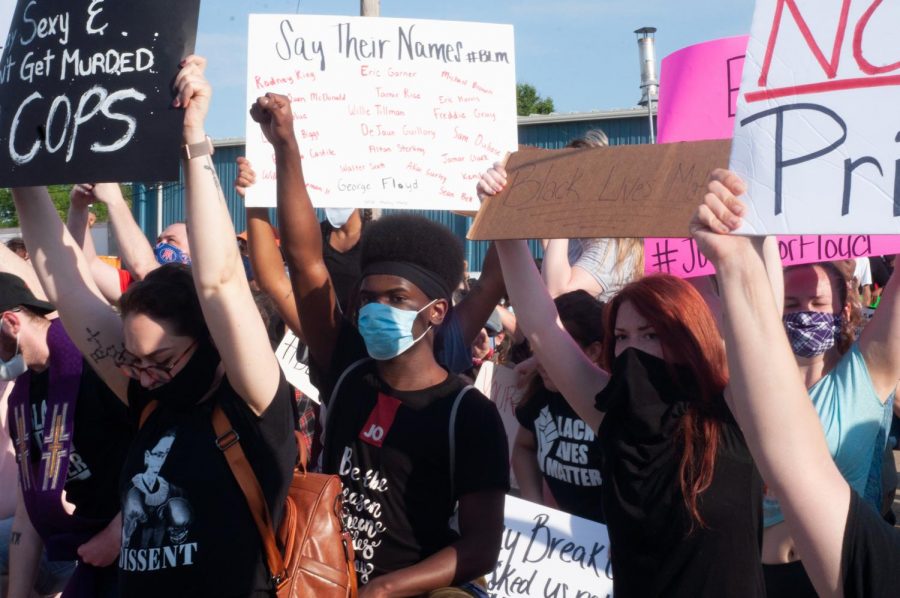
392, 451
568, 453
102, 433
186, 526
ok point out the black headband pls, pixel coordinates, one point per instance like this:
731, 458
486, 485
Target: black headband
428, 282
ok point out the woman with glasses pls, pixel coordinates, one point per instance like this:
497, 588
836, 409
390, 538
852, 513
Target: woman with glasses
187, 346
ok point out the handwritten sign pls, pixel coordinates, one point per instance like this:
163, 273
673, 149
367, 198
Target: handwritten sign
812, 138
698, 90
680, 257
498, 383
297, 373
388, 113
548, 553
621, 191
6, 14
85, 90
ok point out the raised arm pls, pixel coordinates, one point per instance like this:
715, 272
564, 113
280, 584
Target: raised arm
879, 342
134, 248
265, 258
774, 411
576, 377
301, 237
478, 305
66, 278
78, 222
11, 263
231, 315
560, 277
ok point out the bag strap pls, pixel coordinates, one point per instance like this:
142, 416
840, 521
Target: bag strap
228, 441
334, 391
453, 412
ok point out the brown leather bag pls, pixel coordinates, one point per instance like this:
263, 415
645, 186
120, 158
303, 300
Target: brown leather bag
313, 553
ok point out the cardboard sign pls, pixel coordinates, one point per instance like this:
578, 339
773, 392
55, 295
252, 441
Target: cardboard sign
297, 373
680, 257
498, 383
815, 137
85, 90
622, 191
388, 113
548, 553
698, 90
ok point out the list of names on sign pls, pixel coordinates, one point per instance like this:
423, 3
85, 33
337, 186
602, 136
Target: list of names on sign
387, 112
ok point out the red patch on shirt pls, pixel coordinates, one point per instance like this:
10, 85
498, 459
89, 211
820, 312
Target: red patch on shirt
380, 420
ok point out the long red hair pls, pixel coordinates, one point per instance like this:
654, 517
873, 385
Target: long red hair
689, 336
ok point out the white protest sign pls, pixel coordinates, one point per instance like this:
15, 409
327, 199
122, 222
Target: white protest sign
388, 113
815, 133
550, 554
297, 373
498, 383
6, 15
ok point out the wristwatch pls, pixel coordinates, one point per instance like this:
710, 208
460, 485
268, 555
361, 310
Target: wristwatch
195, 150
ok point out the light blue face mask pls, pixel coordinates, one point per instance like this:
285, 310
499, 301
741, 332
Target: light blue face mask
388, 331
338, 217
15, 367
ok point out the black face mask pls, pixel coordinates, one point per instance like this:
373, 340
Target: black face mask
639, 374
190, 384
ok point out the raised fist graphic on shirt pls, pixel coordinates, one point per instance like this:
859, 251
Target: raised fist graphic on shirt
546, 432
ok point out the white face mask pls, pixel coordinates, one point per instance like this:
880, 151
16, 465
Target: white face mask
15, 367
338, 217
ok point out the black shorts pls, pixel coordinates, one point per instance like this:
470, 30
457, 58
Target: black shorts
788, 581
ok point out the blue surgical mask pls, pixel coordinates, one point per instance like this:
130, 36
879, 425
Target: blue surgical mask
167, 253
338, 217
15, 367
388, 331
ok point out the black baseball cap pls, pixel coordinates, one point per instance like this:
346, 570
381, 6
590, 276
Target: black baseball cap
14, 293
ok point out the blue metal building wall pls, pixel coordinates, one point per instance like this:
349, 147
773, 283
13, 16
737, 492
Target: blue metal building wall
630, 130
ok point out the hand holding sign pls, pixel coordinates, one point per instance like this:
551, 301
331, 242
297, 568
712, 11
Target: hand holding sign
718, 216
193, 93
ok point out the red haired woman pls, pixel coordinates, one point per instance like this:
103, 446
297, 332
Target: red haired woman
681, 494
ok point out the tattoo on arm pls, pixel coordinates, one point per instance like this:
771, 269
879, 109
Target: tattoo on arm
100, 352
208, 166
15, 537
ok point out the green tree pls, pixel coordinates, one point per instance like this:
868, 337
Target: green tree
60, 196
529, 102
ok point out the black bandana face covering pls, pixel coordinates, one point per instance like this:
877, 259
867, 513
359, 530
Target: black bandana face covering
635, 372
192, 382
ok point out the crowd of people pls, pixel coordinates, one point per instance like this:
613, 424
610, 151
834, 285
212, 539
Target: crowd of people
733, 433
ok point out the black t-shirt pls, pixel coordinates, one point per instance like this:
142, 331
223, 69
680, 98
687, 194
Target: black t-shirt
343, 268
102, 433
880, 271
186, 526
870, 559
568, 453
657, 549
392, 451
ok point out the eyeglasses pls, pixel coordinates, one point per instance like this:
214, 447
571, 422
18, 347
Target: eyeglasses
156, 372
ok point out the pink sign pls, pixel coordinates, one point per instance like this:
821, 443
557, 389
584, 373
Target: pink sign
698, 90
681, 258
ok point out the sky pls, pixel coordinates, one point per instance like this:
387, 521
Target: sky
581, 53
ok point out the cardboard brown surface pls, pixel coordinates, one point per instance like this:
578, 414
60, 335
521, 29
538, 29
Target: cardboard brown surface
622, 191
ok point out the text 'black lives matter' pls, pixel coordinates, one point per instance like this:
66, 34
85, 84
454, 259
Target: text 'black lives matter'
86, 90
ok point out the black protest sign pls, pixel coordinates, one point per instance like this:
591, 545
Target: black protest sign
86, 90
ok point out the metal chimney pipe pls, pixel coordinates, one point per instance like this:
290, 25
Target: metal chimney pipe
646, 39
